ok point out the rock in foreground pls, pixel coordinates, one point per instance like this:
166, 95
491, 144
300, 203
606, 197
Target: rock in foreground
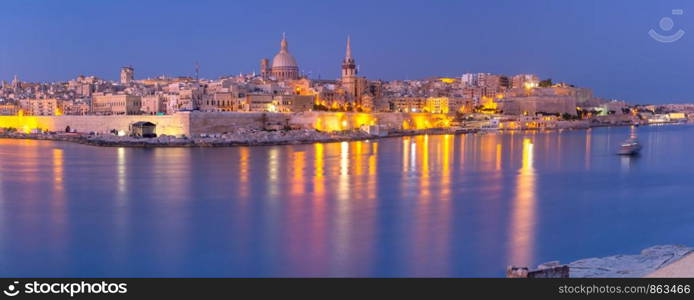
631, 266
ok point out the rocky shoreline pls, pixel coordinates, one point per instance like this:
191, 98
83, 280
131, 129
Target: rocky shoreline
240, 137
247, 137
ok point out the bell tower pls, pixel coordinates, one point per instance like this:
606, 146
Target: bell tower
349, 67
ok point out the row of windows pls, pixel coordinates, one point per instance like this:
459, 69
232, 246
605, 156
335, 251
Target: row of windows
112, 104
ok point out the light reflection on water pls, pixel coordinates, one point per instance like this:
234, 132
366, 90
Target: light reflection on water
522, 229
447, 205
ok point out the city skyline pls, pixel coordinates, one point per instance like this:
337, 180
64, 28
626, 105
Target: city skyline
510, 39
345, 139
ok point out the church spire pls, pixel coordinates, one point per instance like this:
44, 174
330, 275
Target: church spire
349, 67
348, 52
283, 45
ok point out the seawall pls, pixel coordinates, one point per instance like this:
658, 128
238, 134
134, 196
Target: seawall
195, 123
169, 124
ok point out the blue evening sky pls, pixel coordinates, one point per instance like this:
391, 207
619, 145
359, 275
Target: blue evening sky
602, 44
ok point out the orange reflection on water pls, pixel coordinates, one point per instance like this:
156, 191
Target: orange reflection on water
273, 172
317, 232
522, 231
121, 172
358, 158
319, 169
244, 167
498, 157
432, 215
58, 169
489, 159
406, 154
423, 158
372, 181
343, 228
58, 213
298, 166
463, 149
589, 133
446, 168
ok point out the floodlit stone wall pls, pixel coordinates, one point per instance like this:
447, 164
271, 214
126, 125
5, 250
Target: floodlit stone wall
177, 124
195, 123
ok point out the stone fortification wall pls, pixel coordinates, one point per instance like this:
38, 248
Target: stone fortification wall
195, 123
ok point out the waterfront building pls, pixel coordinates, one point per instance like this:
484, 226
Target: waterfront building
116, 104
408, 104
381, 104
436, 105
477, 93
40, 107
154, 104
553, 100
78, 107
278, 103
294, 103
171, 102
521, 81
190, 98
143, 129
9, 109
260, 103
223, 101
460, 104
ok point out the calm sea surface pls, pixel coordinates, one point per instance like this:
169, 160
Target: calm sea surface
466, 205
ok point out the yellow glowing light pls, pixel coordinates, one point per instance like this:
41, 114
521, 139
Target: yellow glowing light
58, 112
437, 105
363, 119
426, 121
530, 85
447, 80
340, 121
22, 123
488, 105
330, 122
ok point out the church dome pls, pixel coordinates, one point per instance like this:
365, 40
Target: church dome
284, 59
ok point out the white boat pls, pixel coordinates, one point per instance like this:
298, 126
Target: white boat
629, 147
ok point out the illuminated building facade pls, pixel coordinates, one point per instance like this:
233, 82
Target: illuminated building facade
40, 107
116, 104
437, 105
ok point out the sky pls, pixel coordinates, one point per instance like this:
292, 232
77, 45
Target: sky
601, 44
